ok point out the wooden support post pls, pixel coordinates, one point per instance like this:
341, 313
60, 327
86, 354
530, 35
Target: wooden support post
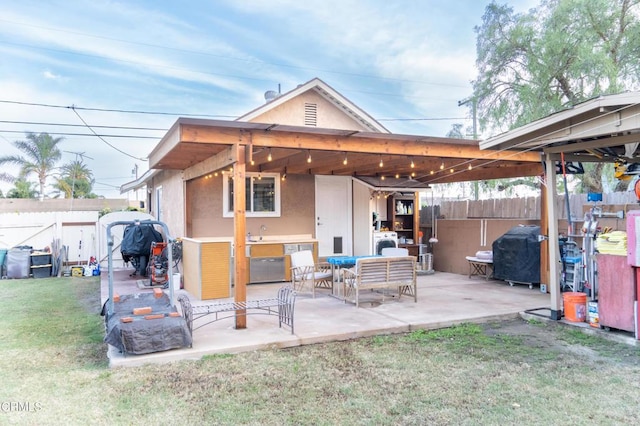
544, 230
554, 247
239, 233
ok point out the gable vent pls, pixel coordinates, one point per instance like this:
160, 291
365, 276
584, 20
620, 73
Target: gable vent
310, 114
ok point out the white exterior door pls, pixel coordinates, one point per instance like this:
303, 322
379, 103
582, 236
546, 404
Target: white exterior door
333, 216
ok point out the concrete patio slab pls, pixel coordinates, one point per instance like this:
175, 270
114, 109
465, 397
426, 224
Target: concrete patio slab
443, 300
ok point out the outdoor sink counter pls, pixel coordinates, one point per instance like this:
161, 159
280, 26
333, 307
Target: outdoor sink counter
208, 262
270, 239
269, 260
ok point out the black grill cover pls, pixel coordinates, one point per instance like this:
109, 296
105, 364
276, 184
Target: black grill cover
137, 239
516, 255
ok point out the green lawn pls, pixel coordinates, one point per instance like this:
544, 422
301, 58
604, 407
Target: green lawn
54, 371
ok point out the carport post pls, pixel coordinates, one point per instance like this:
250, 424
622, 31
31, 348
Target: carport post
553, 244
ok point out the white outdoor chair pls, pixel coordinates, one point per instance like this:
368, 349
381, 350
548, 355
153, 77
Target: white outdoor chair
306, 274
395, 251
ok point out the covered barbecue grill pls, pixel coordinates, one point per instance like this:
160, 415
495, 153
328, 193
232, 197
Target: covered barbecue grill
516, 255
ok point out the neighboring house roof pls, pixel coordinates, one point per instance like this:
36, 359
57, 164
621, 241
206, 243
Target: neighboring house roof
328, 93
139, 183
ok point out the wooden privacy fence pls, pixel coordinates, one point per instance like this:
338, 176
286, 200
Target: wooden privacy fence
522, 208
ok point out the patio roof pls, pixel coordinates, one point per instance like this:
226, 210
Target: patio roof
200, 146
600, 129
603, 129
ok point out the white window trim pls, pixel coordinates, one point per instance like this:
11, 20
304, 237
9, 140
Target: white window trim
225, 196
158, 194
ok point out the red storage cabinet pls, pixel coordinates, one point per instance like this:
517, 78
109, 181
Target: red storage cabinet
616, 292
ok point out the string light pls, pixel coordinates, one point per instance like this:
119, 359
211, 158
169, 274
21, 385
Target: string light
442, 166
451, 170
345, 159
308, 156
397, 175
381, 163
412, 163
431, 172
269, 157
469, 168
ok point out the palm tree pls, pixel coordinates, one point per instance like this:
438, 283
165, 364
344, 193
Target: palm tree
76, 180
40, 156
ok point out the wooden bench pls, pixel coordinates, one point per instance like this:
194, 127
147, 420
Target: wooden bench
386, 273
281, 306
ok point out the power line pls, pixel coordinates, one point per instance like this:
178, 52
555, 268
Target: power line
103, 140
178, 114
84, 134
115, 110
35, 123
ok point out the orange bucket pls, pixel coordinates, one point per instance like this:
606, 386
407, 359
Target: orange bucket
575, 306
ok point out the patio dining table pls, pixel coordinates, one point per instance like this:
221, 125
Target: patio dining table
337, 263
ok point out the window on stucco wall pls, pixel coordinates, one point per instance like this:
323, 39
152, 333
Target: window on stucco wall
262, 195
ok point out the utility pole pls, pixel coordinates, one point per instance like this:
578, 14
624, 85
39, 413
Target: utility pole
472, 100
135, 173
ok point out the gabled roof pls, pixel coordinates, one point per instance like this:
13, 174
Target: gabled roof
328, 93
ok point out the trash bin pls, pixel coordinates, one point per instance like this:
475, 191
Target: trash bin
3, 255
19, 262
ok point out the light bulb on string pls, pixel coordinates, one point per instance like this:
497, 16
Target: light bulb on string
308, 156
269, 157
345, 159
381, 163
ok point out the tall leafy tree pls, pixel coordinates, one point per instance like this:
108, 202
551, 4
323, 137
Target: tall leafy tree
22, 189
76, 180
560, 53
40, 153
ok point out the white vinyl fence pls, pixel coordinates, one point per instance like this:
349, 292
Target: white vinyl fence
80, 233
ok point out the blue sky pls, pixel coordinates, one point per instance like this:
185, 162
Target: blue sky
406, 62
